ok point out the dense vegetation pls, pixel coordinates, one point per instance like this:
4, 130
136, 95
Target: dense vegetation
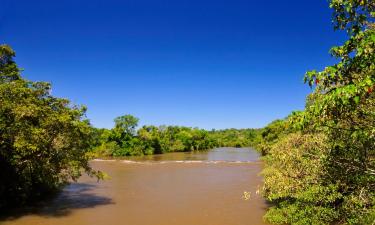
320, 163
125, 140
43, 139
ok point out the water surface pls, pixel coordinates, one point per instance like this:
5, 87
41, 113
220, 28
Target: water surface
204, 188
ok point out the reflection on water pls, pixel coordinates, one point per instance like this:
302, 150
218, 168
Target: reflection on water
179, 188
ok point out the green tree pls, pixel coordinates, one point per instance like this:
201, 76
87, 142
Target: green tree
325, 172
123, 134
151, 138
126, 125
9, 70
343, 105
43, 139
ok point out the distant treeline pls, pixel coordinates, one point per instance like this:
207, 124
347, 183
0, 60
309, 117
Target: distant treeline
125, 140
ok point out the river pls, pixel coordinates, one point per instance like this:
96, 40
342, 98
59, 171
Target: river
205, 188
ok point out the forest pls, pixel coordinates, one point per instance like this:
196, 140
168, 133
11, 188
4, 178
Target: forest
319, 162
125, 140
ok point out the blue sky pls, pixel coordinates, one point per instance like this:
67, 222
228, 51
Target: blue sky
209, 64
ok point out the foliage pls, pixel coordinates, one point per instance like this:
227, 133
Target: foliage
125, 125
271, 134
294, 171
43, 139
236, 137
322, 171
150, 140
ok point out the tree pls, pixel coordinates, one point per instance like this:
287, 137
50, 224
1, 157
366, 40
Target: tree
8, 68
126, 124
331, 180
43, 139
343, 105
123, 132
151, 137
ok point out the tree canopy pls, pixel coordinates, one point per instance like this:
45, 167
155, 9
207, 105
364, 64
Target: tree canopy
43, 139
320, 163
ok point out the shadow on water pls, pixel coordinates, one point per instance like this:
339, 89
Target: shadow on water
74, 196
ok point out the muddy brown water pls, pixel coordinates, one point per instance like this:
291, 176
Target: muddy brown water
203, 188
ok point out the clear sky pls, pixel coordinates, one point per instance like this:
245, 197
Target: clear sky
210, 64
